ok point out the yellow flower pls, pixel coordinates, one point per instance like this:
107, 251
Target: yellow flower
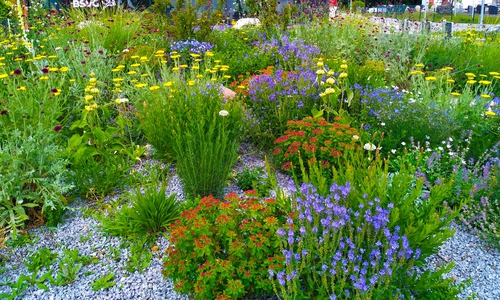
183, 66
191, 82
194, 55
210, 54
53, 69
175, 69
120, 67
471, 81
490, 113
116, 70
135, 65
320, 72
131, 72
419, 65
330, 81
153, 88
144, 59
485, 82
485, 96
51, 56
88, 98
118, 79
343, 75
175, 56
160, 52
470, 75
320, 63
43, 78
227, 76
140, 85
417, 72
94, 90
494, 73
3, 76
168, 83
455, 93
144, 75
195, 67
21, 88
450, 81
329, 91
93, 80
72, 80
134, 56
343, 66
430, 78
64, 69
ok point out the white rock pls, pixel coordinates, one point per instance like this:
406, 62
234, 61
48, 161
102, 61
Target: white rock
246, 22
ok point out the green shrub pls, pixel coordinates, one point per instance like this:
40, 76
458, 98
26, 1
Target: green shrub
33, 177
225, 248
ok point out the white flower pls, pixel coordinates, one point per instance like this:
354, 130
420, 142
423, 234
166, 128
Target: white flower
223, 113
393, 151
382, 124
355, 137
403, 143
125, 50
369, 147
440, 148
450, 139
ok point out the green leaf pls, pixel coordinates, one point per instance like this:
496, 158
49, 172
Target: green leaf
74, 141
317, 113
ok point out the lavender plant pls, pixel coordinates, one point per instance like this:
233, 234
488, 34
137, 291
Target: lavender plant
275, 99
347, 253
191, 46
288, 54
479, 180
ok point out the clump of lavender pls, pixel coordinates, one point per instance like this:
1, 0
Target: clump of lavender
332, 251
191, 46
479, 182
289, 54
274, 99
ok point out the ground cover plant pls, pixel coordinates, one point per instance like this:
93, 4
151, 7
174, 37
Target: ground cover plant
388, 137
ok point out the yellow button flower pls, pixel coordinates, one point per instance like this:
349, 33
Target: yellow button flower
430, 78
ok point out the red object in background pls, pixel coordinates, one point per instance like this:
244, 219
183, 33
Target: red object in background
333, 2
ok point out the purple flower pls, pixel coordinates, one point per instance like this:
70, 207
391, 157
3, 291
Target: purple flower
57, 128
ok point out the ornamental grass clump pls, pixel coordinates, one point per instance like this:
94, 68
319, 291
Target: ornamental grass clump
314, 140
222, 249
192, 124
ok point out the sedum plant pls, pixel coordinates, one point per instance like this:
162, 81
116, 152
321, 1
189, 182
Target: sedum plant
314, 139
222, 249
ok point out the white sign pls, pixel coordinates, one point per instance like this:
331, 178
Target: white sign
94, 3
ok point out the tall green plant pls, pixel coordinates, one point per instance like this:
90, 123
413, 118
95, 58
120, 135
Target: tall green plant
192, 124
